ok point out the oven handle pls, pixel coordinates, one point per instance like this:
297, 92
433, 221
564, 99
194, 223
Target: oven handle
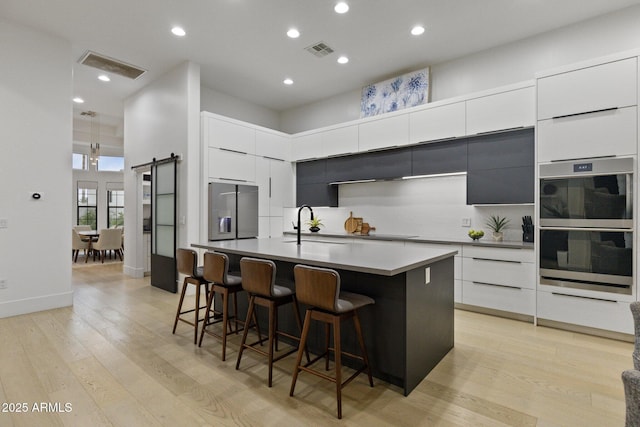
606, 230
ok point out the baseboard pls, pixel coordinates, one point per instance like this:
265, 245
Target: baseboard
31, 305
493, 312
134, 272
620, 336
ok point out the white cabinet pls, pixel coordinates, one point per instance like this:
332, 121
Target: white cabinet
601, 313
604, 133
305, 147
499, 278
230, 165
447, 121
608, 85
273, 145
382, 133
232, 136
505, 110
343, 140
275, 191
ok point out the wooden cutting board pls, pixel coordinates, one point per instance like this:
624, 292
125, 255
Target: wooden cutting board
351, 224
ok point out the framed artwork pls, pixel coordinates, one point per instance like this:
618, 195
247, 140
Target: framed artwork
408, 90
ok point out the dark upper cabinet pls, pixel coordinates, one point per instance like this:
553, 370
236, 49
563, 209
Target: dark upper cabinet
312, 184
439, 157
500, 168
312, 172
385, 164
501, 150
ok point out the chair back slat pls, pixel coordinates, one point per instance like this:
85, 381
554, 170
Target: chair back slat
187, 261
317, 287
258, 276
216, 266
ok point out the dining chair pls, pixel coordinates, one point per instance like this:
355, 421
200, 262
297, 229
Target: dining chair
110, 239
77, 244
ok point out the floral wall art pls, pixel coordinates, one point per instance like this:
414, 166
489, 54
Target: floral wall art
395, 94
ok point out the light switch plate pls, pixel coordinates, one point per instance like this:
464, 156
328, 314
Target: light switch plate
4, 223
466, 222
427, 275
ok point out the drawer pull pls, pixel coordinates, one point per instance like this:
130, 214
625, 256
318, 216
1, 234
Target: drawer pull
580, 296
495, 284
232, 179
586, 112
497, 260
232, 151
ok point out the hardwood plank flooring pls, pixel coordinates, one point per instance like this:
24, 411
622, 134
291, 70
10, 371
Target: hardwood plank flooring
113, 358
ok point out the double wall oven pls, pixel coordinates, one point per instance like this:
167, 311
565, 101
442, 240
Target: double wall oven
586, 224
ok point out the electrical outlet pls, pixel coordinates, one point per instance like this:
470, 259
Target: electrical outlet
3, 284
466, 222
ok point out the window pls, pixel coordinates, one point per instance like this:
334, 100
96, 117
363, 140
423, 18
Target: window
111, 164
88, 204
115, 208
79, 161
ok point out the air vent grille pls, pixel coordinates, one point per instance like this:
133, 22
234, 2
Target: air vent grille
111, 65
320, 49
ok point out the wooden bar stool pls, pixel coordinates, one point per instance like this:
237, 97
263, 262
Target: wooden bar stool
259, 280
215, 270
187, 261
319, 288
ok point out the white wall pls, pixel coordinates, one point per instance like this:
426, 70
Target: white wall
495, 67
160, 119
430, 207
35, 136
229, 106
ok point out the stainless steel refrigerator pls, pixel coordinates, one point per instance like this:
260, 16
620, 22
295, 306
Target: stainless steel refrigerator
233, 211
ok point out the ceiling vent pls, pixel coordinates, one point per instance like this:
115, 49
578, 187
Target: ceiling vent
111, 65
319, 49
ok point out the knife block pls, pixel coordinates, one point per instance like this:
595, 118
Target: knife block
528, 236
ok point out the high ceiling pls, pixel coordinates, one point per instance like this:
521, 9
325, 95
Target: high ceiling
243, 50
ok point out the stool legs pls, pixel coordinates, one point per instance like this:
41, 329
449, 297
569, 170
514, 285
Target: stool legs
198, 284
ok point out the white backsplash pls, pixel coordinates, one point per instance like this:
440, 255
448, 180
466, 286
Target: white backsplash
429, 207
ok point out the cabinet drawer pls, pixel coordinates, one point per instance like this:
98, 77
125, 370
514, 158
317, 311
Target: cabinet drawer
504, 110
499, 272
589, 135
515, 300
225, 164
594, 313
437, 123
223, 134
383, 133
507, 254
613, 84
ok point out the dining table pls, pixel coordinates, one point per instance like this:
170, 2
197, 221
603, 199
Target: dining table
92, 236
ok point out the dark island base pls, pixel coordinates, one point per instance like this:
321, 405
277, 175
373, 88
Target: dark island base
407, 331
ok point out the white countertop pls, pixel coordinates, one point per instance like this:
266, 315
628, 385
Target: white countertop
367, 258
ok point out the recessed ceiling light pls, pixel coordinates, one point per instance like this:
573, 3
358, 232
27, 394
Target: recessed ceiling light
293, 33
287, 81
417, 30
104, 78
343, 60
341, 7
178, 31
78, 100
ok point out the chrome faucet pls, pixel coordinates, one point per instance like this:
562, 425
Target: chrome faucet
299, 210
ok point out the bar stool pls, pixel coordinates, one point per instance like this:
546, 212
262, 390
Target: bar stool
259, 280
215, 270
319, 288
187, 260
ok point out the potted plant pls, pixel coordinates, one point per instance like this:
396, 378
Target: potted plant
497, 224
315, 224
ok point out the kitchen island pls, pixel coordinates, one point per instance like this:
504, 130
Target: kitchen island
407, 331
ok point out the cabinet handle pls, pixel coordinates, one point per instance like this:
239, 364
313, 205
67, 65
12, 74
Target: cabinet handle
495, 284
232, 151
274, 158
489, 132
586, 112
583, 297
497, 260
232, 179
269, 187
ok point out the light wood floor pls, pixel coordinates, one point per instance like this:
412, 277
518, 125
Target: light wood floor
113, 358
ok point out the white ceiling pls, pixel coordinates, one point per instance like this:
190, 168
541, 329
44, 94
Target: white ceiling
244, 52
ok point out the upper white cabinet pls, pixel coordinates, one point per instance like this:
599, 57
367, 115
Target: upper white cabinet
231, 165
382, 133
231, 136
605, 133
609, 85
447, 121
343, 140
273, 145
505, 110
306, 147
